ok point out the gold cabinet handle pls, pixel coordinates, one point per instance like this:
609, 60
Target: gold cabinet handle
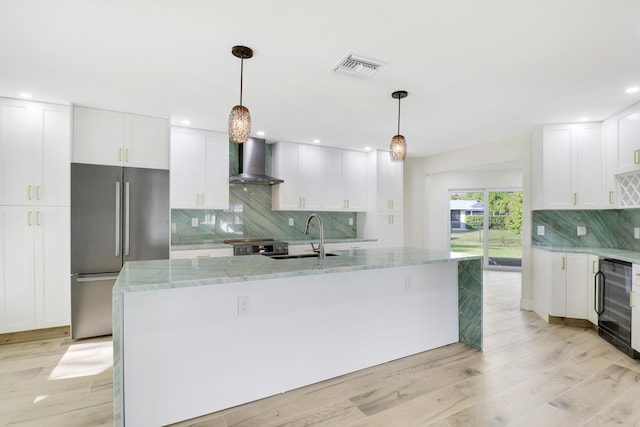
38, 218
203, 256
126, 155
29, 192
564, 263
202, 199
29, 219
37, 192
636, 156
119, 154
594, 267
575, 198
610, 197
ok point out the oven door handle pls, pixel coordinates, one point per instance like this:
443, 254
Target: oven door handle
598, 290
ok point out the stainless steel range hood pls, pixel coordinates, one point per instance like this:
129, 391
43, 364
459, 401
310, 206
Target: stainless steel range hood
252, 164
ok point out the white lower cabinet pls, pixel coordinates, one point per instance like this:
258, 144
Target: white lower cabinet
635, 308
34, 259
562, 283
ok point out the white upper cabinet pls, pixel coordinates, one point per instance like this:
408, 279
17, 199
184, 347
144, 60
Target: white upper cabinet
345, 180
390, 183
199, 169
34, 153
319, 178
568, 162
355, 180
120, 139
629, 139
302, 167
610, 163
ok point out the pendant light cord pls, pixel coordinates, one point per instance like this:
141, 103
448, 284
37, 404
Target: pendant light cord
399, 115
241, 74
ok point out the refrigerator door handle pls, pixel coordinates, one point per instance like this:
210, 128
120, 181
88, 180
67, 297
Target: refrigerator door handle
598, 300
127, 218
117, 218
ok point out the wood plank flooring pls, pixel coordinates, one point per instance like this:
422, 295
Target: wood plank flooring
530, 374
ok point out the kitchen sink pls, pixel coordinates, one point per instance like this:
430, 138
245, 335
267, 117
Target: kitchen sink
298, 256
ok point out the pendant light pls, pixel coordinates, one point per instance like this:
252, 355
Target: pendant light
398, 143
239, 118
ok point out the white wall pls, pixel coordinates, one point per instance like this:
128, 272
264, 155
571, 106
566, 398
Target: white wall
429, 179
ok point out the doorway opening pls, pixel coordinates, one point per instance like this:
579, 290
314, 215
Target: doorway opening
487, 222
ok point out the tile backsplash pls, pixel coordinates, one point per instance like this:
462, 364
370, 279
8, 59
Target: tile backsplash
604, 228
250, 216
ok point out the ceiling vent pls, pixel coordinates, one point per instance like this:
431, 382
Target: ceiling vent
357, 66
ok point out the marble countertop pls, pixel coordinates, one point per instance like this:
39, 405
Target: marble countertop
165, 274
219, 245
619, 254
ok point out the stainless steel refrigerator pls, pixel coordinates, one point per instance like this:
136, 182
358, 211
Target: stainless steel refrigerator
117, 215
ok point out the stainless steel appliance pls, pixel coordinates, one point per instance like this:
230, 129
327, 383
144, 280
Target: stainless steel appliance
611, 302
258, 247
252, 164
117, 215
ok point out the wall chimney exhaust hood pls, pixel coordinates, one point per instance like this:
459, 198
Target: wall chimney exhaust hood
252, 164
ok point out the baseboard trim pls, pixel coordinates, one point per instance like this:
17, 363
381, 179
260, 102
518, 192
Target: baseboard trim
526, 304
36, 335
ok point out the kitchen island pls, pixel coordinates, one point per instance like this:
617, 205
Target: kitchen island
194, 336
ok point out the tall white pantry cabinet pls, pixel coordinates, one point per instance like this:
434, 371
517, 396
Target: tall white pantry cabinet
34, 215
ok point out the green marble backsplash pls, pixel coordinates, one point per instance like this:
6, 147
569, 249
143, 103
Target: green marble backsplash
250, 216
605, 228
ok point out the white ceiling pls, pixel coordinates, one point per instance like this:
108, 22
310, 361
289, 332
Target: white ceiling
475, 71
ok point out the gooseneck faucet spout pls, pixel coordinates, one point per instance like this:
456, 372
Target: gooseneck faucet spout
320, 248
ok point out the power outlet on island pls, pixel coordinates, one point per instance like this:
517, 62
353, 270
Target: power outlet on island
408, 283
290, 222
194, 222
243, 306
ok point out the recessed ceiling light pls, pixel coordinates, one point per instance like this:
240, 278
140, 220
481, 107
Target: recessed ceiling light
316, 141
260, 133
584, 119
186, 122
632, 89
26, 95
367, 148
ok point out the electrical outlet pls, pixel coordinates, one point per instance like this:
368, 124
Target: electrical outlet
350, 221
581, 230
636, 232
290, 222
541, 230
408, 283
194, 222
243, 306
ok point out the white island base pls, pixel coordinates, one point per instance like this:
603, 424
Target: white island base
194, 350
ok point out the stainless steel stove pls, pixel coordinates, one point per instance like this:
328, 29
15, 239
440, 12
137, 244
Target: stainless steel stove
258, 247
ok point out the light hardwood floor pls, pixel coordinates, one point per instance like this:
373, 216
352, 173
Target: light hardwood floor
530, 374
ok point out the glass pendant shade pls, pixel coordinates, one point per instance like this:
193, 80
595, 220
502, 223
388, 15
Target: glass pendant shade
239, 124
398, 144
398, 148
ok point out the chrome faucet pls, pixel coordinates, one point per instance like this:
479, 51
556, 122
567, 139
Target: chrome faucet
320, 248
